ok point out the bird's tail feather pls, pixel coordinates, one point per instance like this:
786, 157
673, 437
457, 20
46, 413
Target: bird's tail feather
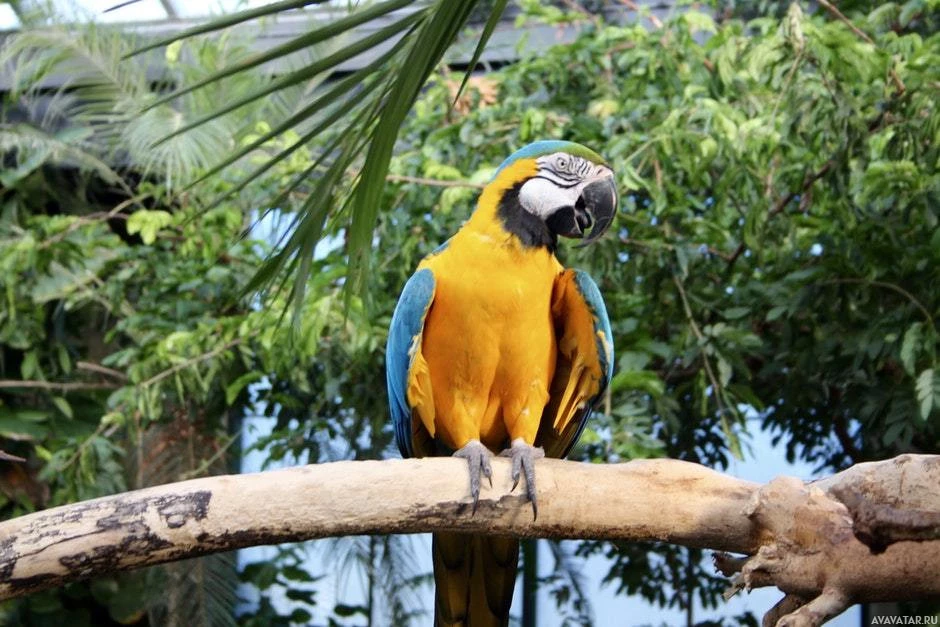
474, 576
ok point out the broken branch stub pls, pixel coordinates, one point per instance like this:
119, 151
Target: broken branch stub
815, 553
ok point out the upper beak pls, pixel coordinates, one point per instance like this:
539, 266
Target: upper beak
597, 206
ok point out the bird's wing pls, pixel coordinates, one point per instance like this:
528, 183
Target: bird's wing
409, 383
585, 361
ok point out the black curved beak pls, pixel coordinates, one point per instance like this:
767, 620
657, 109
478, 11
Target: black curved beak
596, 208
591, 214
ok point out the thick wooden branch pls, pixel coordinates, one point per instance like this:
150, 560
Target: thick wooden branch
658, 499
665, 500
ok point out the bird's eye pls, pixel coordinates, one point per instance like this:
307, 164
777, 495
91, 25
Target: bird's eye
562, 163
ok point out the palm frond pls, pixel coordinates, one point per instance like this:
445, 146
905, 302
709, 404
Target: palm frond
275, 8
303, 74
109, 99
330, 31
497, 12
33, 148
407, 43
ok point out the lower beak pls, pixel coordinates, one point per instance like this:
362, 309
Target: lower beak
597, 206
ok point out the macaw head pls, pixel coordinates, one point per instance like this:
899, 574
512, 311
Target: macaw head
566, 186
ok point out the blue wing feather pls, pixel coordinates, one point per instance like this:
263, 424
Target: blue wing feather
595, 302
406, 328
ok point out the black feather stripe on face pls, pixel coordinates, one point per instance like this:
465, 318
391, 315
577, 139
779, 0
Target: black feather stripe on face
530, 229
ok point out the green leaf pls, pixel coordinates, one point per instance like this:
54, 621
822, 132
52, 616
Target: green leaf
30, 365
775, 313
927, 389
148, 223
910, 345
63, 406
724, 372
644, 380
430, 42
342, 609
65, 362
734, 313
909, 11
233, 389
16, 426
332, 98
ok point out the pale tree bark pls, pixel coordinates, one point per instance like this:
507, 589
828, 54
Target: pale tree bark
809, 540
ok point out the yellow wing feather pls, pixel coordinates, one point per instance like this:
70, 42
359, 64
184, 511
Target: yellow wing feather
578, 371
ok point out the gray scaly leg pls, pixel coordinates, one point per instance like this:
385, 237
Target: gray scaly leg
478, 459
523, 463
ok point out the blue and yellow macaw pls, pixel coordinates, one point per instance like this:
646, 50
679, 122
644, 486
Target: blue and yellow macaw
495, 346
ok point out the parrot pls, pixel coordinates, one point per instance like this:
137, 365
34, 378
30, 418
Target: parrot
495, 347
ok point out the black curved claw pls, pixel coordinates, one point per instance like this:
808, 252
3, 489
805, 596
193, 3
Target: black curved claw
523, 463
478, 461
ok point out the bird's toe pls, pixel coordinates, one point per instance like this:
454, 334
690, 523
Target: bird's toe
523, 458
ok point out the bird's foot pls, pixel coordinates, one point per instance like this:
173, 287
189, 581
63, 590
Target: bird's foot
478, 459
523, 463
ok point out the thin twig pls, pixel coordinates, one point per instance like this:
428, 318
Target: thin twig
574, 7
808, 181
891, 286
63, 386
841, 429
655, 21
160, 376
100, 216
100, 431
205, 465
783, 201
839, 15
842, 18
401, 178
701, 338
92, 367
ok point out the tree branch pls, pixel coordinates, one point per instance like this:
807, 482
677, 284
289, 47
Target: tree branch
809, 179
839, 15
215, 352
401, 178
62, 386
98, 368
798, 537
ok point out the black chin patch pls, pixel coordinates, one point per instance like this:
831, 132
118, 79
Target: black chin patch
530, 229
568, 222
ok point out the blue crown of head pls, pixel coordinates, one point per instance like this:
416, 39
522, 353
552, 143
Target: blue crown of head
547, 147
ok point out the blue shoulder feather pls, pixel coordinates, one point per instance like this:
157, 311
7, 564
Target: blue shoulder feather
406, 328
605, 339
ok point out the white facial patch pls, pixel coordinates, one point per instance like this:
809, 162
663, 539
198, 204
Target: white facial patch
559, 183
543, 197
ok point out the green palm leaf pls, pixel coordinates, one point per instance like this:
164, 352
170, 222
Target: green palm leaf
354, 128
105, 103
